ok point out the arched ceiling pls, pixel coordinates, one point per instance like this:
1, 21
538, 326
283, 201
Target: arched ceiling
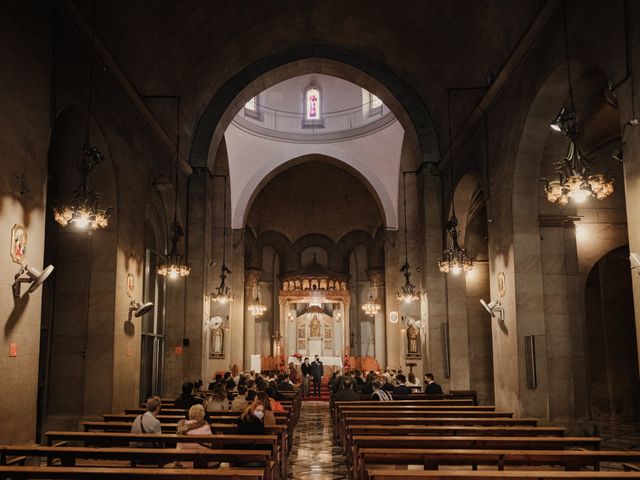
193, 47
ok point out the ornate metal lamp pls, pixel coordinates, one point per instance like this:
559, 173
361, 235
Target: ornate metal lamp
408, 292
575, 180
174, 267
222, 294
83, 209
257, 308
371, 307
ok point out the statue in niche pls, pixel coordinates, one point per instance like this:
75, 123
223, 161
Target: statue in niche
216, 343
412, 339
314, 327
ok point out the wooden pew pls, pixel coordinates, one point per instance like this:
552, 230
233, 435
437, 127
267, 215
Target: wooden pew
493, 475
467, 442
433, 458
277, 443
101, 473
68, 456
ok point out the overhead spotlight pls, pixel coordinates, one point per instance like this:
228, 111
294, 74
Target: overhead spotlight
30, 275
634, 258
493, 308
559, 121
138, 309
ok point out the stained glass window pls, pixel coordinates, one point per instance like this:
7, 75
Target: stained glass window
375, 101
251, 104
312, 99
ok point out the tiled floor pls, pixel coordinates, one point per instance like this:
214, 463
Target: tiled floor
618, 435
314, 457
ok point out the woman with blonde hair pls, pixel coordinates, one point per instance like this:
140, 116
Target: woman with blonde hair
196, 425
251, 422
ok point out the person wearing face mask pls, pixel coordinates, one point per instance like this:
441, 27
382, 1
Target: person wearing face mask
251, 422
306, 373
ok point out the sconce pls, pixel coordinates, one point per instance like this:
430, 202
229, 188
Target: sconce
30, 275
493, 308
138, 309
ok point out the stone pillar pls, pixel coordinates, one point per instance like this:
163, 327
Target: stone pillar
251, 279
565, 375
430, 206
458, 331
346, 338
392, 282
236, 309
376, 277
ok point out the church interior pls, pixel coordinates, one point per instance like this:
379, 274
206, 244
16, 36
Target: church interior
430, 187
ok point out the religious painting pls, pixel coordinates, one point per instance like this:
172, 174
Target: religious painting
302, 344
130, 285
302, 332
328, 345
216, 342
314, 327
327, 332
18, 243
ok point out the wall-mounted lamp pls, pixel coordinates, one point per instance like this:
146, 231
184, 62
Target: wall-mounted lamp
30, 275
138, 309
493, 308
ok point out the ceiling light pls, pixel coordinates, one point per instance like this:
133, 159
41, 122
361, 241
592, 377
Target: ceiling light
371, 307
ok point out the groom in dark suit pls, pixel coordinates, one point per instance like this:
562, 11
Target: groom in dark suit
317, 370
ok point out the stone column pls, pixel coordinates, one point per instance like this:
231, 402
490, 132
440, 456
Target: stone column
565, 375
458, 331
346, 332
251, 279
393, 350
376, 277
236, 309
430, 206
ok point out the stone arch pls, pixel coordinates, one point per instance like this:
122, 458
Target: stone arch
396, 93
338, 159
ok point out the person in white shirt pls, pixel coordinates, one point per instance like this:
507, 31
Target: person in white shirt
147, 422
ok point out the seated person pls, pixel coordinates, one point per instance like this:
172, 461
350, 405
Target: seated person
401, 388
347, 394
186, 400
380, 394
147, 422
276, 406
251, 422
240, 403
218, 402
430, 385
387, 386
217, 379
251, 390
269, 419
274, 393
284, 383
412, 381
198, 394
196, 425
368, 384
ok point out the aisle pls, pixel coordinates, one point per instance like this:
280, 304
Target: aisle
314, 456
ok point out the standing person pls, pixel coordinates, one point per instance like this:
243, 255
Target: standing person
430, 385
294, 376
306, 373
317, 370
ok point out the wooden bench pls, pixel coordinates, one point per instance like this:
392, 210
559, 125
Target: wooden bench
493, 475
467, 442
273, 443
100, 473
433, 458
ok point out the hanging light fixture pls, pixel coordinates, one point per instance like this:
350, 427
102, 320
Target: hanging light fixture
174, 267
222, 293
257, 308
575, 180
371, 307
408, 291
454, 259
83, 209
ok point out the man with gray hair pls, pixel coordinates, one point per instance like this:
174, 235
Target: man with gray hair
147, 422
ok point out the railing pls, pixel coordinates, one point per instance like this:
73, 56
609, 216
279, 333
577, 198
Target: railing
295, 122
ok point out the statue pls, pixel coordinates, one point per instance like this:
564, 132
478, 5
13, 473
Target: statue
216, 343
412, 338
314, 327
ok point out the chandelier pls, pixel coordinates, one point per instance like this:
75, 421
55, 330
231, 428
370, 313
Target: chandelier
83, 208
455, 259
257, 308
174, 267
371, 308
407, 292
575, 180
222, 294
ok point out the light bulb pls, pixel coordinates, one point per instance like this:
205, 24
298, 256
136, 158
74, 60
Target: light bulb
173, 273
456, 269
82, 222
581, 195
